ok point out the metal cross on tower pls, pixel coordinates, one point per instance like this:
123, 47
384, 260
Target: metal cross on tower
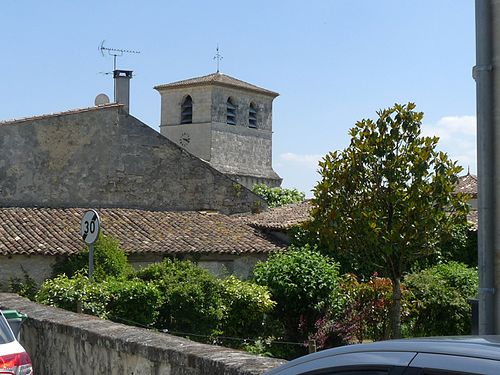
218, 57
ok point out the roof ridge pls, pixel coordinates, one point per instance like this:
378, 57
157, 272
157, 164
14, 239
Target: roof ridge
216, 78
62, 113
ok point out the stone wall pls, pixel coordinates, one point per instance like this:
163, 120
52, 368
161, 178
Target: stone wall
38, 267
103, 157
62, 342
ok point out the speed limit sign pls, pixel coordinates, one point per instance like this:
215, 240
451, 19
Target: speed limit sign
90, 226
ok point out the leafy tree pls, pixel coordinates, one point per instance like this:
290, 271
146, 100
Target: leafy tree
276, 197
387, 199
304, 285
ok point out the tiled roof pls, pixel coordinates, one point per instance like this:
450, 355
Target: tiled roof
283, 218
217, 78
279, 218
472, 218
70, 112
54, 231
467, 184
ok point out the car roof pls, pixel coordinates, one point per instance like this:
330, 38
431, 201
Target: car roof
487, 347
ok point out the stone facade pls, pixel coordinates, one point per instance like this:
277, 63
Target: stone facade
103, 157
37, 267
242, 151
63, 342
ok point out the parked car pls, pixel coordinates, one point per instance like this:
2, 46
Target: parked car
424, 356
13, 358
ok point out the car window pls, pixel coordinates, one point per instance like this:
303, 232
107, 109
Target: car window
5, 332
440, 364
363, 363
358, 372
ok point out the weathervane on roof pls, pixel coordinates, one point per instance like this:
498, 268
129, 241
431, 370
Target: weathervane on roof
115, 52
218, 57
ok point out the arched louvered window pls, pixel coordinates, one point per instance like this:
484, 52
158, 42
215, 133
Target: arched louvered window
231, 112
252, 116
187, 111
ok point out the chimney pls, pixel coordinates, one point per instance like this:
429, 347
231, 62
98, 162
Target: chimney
122, 87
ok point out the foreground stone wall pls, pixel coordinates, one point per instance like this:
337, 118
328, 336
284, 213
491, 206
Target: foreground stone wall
62, 342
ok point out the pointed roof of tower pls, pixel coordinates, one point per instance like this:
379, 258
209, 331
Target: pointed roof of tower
217, 79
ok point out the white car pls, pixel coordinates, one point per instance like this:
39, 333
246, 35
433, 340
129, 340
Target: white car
426, 356
13, 358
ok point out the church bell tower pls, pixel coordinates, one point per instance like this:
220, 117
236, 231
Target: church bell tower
224, 121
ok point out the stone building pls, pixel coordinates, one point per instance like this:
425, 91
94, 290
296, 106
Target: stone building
104, 157
34, 238
224, 121
171, 192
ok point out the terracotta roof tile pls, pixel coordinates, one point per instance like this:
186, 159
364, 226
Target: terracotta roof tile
217, 78
279, 218
56, 231
467, 184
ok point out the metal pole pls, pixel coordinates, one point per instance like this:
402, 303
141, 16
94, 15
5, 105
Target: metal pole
91, 260
482, 73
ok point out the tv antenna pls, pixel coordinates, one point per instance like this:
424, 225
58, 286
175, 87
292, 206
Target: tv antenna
115, 52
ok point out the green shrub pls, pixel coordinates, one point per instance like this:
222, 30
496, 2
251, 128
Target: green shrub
366, 313
277, 196
25, 286
442, 294
109, 260
191, 297
246, 303
304, 284
132, 302
65, 292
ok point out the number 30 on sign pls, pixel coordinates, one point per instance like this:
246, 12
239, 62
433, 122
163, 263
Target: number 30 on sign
90, 226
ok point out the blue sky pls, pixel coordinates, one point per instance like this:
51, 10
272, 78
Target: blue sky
333, 63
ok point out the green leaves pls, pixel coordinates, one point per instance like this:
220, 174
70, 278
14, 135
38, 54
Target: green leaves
389, 191
276, 197
304, 283
386, 200
442, 294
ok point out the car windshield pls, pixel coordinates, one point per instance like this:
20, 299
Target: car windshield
5, 332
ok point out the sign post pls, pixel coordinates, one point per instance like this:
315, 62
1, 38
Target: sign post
89, 229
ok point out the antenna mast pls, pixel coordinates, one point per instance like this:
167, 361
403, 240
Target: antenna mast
115, 52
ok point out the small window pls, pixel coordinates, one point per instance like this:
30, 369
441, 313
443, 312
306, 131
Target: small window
187, 111
231, 112
252, 116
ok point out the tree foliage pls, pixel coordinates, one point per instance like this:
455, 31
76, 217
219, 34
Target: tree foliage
191, 297
109, 260
276, 197
387, 199
442, 293
304, 284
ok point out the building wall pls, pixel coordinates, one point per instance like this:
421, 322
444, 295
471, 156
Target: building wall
63, 342
107, 158
38, 267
